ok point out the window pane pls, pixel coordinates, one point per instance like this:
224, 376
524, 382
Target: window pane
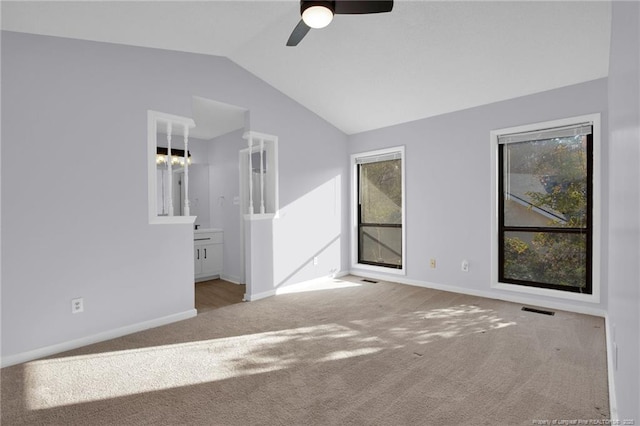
381, 192
381, 245
545, 183
546, 257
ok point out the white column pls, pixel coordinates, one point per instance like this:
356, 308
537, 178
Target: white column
169, 168
261, 176
250, 175
187, 211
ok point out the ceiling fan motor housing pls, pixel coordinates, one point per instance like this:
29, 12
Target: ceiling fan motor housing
319, 13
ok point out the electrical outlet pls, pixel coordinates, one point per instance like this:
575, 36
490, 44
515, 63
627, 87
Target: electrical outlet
77, 305
432, 263
465, 266
315, 261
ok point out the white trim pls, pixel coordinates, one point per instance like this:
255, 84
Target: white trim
258, 135
276, 174
151, 165
241, 212
340, 274
230, 278
153, 117
95, 338
547, 292
260, 216
172, 220
597, 209
242, 179
374, 268
170, 118
258, 296
206, 278
354, 211
580, 309
274, 292
613, 400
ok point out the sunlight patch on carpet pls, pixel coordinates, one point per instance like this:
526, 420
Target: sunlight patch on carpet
316, 285
423, 327
80, 379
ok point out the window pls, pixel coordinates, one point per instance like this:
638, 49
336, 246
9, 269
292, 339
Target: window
259, 175
168, 198
379, 209
545, 188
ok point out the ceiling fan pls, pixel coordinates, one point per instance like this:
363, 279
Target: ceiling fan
318, 14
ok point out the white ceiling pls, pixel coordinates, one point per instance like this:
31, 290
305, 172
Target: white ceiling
361, 72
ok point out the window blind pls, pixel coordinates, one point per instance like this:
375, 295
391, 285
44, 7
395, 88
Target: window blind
377, 158
557, 132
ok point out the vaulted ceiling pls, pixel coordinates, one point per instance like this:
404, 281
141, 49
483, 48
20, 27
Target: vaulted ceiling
362, 72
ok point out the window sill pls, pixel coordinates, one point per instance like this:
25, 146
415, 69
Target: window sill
379, 269
556, 294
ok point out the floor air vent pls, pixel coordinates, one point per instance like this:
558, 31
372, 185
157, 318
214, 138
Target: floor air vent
370, 281
538, 311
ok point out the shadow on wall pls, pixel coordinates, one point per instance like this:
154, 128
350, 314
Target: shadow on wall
313, 260
308, 235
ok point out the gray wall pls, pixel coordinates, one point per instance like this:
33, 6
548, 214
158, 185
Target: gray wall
74, 225
448, 187
199, 181
624, 204
310, 225
224, 187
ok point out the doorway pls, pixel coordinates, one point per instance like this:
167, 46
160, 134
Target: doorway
216, 294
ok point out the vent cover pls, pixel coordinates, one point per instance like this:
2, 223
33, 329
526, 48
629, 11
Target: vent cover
538, 311
369, 281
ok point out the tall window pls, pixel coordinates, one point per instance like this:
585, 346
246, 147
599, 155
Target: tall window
545, 208
380, 209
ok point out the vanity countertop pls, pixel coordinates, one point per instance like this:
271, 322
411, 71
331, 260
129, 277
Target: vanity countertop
205, 230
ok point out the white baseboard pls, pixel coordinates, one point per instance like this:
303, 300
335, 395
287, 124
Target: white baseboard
320, 283
341, 274
95, 338
613, 402
207, 278
231, 278
258, 296
515, 298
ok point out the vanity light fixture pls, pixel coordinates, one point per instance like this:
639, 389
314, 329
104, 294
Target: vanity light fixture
177, 156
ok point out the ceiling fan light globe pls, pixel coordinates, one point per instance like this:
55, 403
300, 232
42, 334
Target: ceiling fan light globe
317, 16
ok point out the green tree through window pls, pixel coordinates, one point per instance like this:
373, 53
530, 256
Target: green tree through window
380, 213
545, 213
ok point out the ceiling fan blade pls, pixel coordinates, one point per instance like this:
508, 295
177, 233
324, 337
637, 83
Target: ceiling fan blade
298, 33
353, 7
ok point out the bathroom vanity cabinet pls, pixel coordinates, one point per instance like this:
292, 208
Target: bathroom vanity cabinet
207, 253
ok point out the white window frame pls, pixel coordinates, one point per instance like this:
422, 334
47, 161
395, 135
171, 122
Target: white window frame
270, 147
596, 213
153, 118
354, 212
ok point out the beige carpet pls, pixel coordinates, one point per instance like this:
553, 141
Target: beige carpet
362, 354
